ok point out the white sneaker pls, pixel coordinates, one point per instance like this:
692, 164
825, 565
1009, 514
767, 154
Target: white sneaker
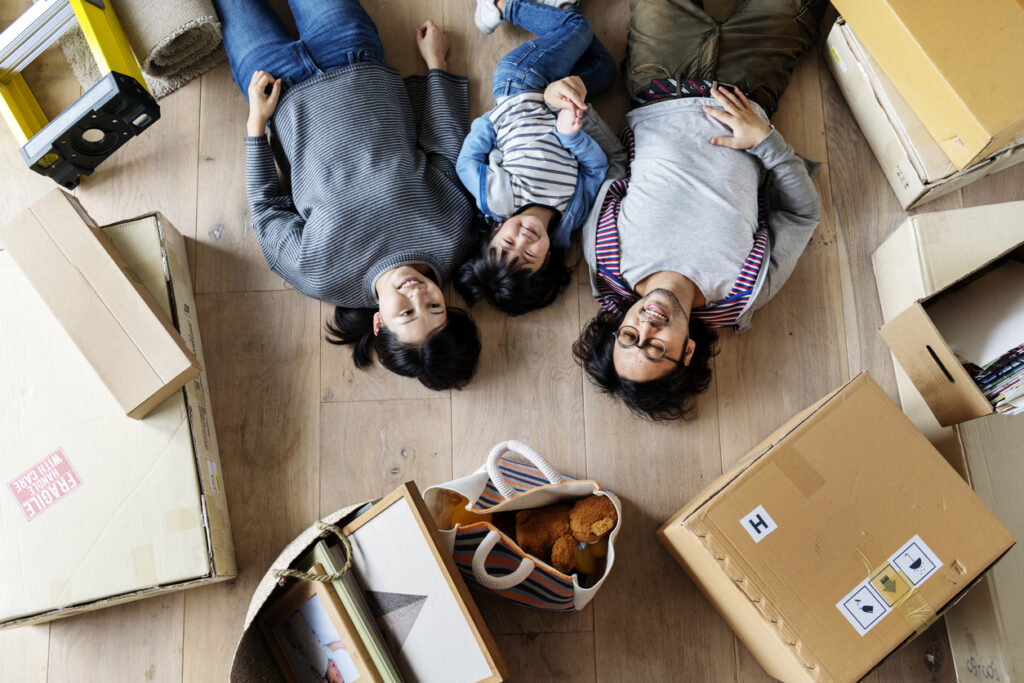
559, 3
487, 16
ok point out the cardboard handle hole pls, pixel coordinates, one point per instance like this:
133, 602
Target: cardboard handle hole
938, 362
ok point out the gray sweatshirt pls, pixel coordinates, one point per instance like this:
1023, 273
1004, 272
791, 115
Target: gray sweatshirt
691, 207
371, 157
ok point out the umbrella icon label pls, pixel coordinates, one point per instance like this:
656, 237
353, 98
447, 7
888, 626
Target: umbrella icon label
916, 560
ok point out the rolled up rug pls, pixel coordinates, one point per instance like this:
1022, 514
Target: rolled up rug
174, 41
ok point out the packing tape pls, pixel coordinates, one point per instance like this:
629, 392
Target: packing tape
800, 472
911, 605
182, 519
144, 565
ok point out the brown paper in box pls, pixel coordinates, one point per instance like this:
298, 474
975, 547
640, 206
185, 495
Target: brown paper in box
846, 495
116, 324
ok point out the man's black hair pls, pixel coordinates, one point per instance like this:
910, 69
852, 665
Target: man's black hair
667, 398
510, 289
445, 360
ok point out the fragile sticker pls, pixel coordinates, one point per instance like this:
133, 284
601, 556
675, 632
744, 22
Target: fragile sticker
41, 486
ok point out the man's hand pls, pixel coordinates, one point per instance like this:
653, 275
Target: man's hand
748, 128
570, 120
566, 93
261, 103
433, 44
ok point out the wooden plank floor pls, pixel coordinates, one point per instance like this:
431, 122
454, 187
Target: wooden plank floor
303, 433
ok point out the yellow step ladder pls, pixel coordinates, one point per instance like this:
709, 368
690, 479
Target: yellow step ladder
106, 116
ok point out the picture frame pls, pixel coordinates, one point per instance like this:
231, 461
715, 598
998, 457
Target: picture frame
422, 604
312, 638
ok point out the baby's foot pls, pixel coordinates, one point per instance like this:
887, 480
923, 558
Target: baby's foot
487, 16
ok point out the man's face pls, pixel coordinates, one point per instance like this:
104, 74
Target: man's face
523, 238
411, 305
659, 319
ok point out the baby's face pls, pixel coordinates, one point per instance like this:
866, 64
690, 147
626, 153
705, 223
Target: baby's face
522, 241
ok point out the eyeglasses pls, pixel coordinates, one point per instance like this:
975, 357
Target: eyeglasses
654, 349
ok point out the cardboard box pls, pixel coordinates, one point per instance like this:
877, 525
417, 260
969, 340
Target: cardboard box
986, 628
957, 64
116, 324
837, 539
97, 508
929, 256
913, 162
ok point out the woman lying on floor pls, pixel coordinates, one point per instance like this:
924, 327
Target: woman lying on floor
376, 219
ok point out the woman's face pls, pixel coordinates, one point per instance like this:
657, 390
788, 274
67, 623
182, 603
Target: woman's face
411, 305
524, 240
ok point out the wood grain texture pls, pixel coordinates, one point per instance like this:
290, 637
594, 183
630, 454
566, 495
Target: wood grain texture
24, 654
550, 657
262, 352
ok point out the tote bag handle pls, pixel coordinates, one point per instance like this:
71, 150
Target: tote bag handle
498, 583
515, 446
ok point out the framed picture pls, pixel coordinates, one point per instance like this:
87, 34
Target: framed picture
422, 605
312, 638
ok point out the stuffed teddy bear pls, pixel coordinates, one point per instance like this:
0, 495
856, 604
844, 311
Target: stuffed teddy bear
553, 533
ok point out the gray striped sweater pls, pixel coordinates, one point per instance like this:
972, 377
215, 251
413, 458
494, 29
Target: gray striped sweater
371, 159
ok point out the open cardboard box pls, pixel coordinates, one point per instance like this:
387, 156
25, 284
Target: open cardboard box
97, 297
986, 628
913, 162
99, 508
837, 539
904, 263
957, 64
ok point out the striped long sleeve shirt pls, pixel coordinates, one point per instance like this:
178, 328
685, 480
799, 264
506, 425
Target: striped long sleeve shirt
371, 160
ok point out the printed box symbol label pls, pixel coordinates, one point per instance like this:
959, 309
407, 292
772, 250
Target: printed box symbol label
863, 608
759, 524
890, 584
916, 560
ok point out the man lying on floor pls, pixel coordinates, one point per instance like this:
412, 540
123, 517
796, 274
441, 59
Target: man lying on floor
705, 227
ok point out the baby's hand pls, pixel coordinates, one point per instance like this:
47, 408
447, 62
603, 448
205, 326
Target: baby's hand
570, 120
566, 92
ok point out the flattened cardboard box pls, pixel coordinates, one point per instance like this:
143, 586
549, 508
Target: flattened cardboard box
926, 255
957, 64
97, 508
911, 160
114, 321
837, 539
986, 628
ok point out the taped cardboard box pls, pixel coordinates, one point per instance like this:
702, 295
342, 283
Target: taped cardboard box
957, 64
98, 508
986, 628
910, 158
837, 539
932, 257
116, 324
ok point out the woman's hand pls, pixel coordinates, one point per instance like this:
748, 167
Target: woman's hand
570, 120
568, 92
261, 104
433, 44
748, 128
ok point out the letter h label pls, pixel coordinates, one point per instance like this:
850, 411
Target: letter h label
758, 524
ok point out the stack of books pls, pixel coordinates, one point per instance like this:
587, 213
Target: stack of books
1002, 381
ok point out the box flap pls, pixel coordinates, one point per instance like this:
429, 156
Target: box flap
933, 367
970, 98
115, 323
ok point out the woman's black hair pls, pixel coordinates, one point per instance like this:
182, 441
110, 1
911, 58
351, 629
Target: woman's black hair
512, 290
445, 360
667, 398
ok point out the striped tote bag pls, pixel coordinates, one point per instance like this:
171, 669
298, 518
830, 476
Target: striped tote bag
491, 558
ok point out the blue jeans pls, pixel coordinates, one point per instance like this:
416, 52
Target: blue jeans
332, 33
565, 46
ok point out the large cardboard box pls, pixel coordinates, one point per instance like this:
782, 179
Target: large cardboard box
913, 162
97, 508
931, 256
957, 64
837, 539
986, 628
99, 300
